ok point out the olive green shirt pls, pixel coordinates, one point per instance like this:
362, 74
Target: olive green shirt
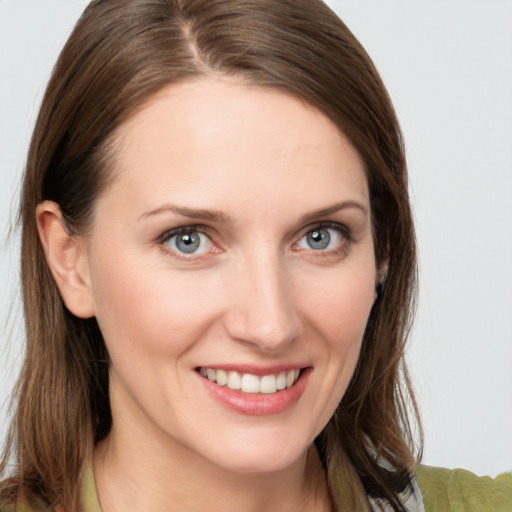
458, 490
443, 490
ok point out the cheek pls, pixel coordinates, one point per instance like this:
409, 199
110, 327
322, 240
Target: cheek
339, 307
150, 310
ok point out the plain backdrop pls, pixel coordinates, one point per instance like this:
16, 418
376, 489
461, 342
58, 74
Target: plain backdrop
448, 68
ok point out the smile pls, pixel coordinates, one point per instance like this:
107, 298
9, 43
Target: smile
249, 383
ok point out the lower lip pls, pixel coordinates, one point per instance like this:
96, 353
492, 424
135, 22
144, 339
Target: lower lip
258, 404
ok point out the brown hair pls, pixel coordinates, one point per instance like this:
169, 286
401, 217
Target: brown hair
120, 53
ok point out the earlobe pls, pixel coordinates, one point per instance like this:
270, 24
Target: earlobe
66, 259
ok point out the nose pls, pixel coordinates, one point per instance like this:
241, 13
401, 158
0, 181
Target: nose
262, 309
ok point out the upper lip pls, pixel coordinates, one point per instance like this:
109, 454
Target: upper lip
256, 370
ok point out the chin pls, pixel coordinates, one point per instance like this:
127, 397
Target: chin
263, 463
260, 456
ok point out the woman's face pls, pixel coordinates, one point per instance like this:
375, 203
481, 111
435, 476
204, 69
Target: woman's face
234, 248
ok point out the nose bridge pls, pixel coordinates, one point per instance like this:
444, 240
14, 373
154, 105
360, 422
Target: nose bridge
263, 311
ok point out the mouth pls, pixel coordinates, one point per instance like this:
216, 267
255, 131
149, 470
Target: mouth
249, 383
256, 391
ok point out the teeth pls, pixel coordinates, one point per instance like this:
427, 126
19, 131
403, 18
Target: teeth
234, 381
290, 377
281, 381
249, 383
268, 384
222, 377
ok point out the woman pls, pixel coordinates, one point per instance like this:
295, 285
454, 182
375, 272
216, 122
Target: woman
218, 269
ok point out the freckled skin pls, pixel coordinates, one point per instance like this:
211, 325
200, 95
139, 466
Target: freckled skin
255, 294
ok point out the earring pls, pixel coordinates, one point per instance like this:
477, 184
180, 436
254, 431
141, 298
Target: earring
381, 280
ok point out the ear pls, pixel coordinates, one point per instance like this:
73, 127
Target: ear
67, 259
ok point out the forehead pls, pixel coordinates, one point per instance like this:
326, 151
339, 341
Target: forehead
212, 138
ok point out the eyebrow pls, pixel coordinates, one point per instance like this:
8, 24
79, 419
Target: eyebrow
220, 217
192, 213
329, 210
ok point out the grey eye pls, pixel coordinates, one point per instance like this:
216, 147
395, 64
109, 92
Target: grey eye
318, 239
189, 242
321, 238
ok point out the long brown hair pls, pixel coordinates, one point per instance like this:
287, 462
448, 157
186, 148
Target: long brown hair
120, 53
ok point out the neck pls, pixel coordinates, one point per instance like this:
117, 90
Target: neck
147, 475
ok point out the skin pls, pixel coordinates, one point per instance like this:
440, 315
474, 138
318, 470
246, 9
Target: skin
255, 294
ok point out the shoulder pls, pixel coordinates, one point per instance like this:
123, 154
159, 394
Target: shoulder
23, 507
458, 490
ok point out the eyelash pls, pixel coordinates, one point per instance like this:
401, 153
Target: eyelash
343, 231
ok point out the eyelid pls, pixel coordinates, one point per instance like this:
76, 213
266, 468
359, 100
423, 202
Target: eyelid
179, 230
343, 229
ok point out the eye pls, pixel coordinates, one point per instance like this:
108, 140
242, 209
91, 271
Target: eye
188, 240
322, 238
